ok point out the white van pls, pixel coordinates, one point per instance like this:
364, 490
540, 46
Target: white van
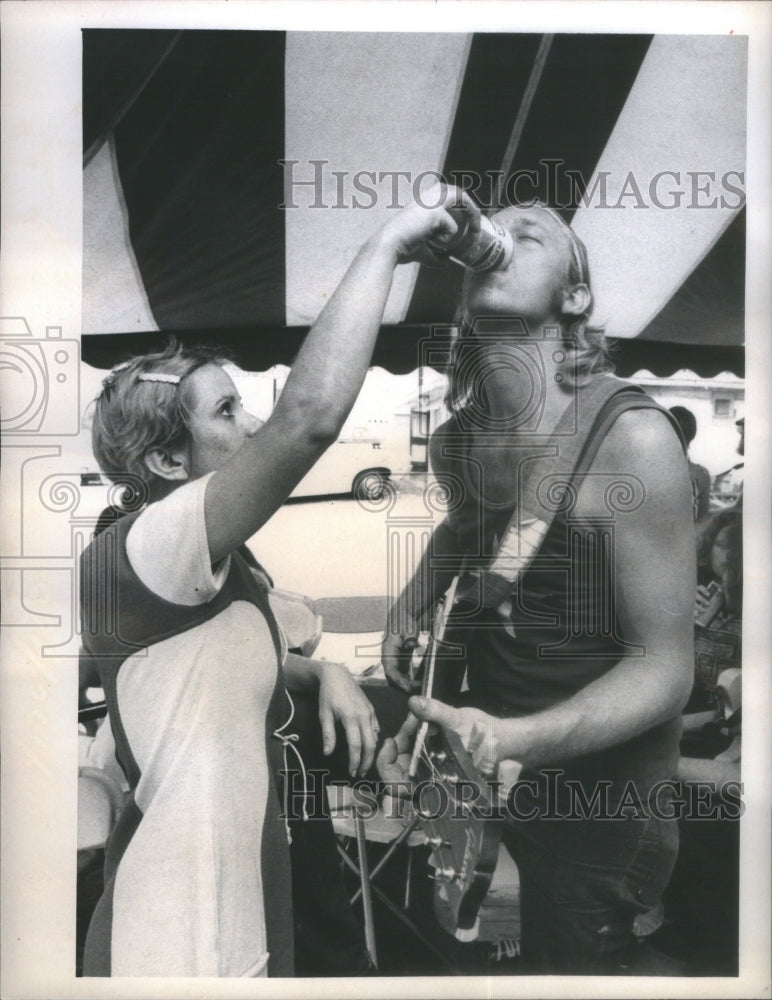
354, 467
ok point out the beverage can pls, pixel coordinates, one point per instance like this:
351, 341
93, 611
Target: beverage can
487, 250
712, 602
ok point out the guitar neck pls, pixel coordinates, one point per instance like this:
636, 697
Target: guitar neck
459, 811
444, 607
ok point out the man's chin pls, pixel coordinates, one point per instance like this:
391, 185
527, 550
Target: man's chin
483, 300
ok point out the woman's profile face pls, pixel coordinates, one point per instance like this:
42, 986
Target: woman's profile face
218, 424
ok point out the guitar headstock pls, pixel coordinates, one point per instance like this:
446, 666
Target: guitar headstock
462, 819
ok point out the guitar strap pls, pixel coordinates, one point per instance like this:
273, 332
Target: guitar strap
545, 483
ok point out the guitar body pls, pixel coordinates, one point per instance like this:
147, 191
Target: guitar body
463, 821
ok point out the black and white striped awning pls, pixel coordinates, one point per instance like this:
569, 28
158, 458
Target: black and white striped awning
194, 140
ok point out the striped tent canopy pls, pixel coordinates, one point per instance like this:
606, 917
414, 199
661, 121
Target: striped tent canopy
230, 177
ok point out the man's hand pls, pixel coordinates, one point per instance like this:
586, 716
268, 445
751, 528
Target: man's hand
341, 700
394, 758
396, 655
479, 733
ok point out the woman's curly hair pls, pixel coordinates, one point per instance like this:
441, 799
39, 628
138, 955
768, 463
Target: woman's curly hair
132, 415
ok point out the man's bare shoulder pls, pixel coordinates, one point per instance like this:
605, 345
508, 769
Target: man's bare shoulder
642, 451
640, 440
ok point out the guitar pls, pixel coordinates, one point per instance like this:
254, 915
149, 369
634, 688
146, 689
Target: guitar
457, 809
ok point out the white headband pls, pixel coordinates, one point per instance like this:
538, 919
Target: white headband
158, 377
109, 380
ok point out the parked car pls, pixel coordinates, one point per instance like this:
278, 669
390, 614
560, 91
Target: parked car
353, 467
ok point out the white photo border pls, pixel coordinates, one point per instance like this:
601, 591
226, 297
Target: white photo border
41, 282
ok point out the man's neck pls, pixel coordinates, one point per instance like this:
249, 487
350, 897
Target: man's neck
523, 373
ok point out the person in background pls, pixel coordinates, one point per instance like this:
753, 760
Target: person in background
740, 425
718, 606
698, 474
702, 900
732, 482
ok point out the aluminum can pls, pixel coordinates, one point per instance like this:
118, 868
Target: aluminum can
713, 604
487, 250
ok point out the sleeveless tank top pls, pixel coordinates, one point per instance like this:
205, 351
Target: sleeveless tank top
562, 632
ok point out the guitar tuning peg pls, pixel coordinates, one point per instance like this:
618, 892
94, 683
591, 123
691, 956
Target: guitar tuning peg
444, 875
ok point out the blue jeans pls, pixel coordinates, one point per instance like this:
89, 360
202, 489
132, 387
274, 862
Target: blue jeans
577, 918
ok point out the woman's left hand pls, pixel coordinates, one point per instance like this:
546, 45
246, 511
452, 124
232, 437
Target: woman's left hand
341, 700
